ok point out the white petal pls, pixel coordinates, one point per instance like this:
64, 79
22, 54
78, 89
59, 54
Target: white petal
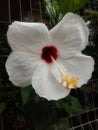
70, 35
57, 71
30, 37
81, 67
20, 67
46, 85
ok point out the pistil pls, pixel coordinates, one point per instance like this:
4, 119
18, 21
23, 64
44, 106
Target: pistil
66, 79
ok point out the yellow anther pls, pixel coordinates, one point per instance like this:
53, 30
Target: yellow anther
69, 81
74, 82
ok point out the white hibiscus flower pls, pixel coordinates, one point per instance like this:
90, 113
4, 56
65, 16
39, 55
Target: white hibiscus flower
49, 60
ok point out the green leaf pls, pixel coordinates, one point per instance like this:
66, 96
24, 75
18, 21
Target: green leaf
52, 9
2, 107
75, 105
20, 115
70, 5
66, 107
56, 9
54, 4
71, 105
27, 94
62, 124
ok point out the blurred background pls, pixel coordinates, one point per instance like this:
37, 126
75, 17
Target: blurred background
21, 108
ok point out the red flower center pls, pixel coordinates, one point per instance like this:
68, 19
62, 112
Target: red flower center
48, 52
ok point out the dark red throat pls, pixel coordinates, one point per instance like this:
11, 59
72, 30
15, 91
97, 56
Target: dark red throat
48, 52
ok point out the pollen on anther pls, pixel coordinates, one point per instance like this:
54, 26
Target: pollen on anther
66, 81
74, 82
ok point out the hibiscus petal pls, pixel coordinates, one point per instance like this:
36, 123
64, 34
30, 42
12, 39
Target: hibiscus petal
30, 37
20, 67
80, 66
57, 70
46, 85
70, 35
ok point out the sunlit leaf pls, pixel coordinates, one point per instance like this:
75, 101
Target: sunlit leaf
56, 9
70, 5
52, 9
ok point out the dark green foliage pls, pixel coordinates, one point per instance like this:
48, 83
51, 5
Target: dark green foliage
27, 94
4, 47
92, 49
71, 105
2, 107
